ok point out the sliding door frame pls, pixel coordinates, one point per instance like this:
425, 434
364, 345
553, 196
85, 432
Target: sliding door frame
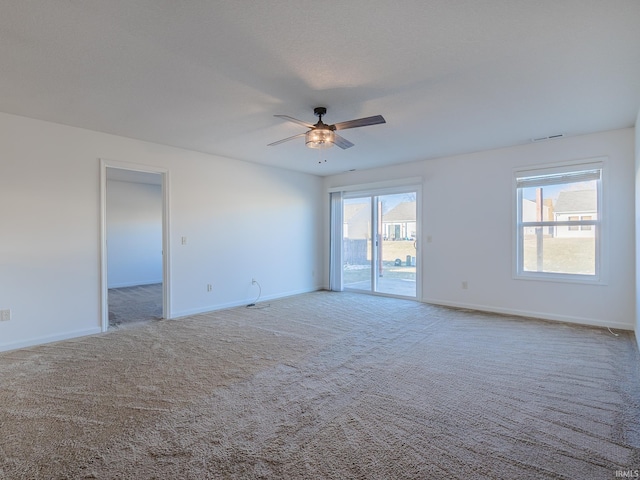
374, 191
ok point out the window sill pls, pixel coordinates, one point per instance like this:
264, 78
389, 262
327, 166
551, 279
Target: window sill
560, 278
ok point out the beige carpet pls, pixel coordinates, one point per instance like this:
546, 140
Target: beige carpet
325, 385
134, 304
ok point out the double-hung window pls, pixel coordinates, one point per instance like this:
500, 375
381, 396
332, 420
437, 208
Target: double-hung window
558, 223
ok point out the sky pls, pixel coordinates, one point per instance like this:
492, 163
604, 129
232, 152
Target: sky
552, 191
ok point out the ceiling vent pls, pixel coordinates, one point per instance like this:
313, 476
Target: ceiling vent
550, 137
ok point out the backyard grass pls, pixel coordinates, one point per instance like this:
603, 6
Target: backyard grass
391, 250
561, 255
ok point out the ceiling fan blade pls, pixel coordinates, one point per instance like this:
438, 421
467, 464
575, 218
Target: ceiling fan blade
286, 139
295, 120
342, 142
360, 122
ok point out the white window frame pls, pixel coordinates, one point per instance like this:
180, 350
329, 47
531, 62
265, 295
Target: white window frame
527, 177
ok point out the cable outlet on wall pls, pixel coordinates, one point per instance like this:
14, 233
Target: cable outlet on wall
253, 281
5, 315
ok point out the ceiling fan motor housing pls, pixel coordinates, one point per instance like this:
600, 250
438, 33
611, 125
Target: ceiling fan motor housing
320, 111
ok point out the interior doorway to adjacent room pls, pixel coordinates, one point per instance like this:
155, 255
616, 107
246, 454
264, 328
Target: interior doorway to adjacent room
134, 240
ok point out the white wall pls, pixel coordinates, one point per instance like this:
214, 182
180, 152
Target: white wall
242, 221
478, 248
134, 233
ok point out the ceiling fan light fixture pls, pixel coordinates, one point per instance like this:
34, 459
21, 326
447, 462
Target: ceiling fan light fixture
319, 138
321, 135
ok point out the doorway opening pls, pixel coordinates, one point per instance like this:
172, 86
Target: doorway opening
134, 244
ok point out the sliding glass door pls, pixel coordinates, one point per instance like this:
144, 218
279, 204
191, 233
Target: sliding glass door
379, 240
356, 243
397, 248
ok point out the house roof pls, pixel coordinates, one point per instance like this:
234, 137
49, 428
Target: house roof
403, 212
576, 201
449, 77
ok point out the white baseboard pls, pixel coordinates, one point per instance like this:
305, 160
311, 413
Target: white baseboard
211, 308
240, 303
532, 314
49, 339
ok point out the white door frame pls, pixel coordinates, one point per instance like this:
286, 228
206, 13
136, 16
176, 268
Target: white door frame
166, 277
374, 193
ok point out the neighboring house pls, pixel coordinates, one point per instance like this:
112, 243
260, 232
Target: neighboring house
356, 221
576, 205
356, 233
399, 223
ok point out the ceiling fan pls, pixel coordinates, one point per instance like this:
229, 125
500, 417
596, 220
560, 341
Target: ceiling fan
322, 135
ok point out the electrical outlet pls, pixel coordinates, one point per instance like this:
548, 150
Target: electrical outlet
253, 281
465, 285
5, 315
209, 287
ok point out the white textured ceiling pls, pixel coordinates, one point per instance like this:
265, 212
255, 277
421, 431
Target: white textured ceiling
449, 76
